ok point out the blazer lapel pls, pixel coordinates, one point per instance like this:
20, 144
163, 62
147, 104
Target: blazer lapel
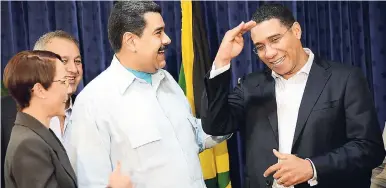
317, 79
269, 99
26, 120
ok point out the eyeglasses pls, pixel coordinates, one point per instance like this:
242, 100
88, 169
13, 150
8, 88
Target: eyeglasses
273, 43
63, 81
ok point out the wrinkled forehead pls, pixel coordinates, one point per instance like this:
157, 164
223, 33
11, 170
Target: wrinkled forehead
266, 29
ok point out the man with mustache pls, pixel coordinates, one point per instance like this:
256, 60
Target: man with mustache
135, 111
318, 115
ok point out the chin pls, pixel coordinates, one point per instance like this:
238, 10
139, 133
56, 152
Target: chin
162, 64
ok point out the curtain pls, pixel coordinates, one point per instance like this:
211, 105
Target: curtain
348, 32
24, 22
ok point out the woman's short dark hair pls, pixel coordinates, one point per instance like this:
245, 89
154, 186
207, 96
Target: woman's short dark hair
27, 68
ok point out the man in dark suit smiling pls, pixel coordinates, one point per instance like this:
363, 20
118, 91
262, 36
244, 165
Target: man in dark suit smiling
318, 114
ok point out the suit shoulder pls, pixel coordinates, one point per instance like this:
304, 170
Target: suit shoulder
25, 135
342, 71
23, 138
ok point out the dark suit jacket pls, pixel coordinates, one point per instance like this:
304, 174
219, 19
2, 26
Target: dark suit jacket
8, 116
35, 157
337, 127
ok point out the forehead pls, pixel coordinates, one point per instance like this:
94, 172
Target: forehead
153, 21
266, 29
62, 47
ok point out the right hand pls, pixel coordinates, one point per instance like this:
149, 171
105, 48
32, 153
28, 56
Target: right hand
232, 44
118, 180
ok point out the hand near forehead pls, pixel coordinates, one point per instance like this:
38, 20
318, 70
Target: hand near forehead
232, 44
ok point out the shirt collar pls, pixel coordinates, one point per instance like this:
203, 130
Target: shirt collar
125, 78
70, 106
305, 69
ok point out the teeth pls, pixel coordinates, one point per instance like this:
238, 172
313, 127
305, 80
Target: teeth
279, 61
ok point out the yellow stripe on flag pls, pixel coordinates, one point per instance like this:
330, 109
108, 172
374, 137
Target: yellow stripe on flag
222, 158
187, 50
214, 160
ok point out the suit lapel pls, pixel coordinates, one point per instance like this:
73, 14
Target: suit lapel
317, 79
30, 122
269, 99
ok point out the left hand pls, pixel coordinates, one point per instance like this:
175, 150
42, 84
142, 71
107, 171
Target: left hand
290, 170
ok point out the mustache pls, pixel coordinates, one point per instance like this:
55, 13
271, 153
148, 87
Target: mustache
162, 48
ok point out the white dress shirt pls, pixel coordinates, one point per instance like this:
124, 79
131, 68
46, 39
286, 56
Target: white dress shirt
289, 94
55, 124
149, 128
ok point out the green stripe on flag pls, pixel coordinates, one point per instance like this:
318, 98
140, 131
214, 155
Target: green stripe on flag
181, 79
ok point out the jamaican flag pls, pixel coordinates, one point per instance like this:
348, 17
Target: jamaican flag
195, 64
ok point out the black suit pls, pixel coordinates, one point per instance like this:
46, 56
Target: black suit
337, 127
35, 157
8, 116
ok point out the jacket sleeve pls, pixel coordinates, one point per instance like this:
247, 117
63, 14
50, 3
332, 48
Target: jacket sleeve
222, 111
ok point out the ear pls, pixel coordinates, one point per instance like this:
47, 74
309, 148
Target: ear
128, 41
297, 30
39, 91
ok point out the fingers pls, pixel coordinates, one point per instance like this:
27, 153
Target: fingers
242, 28
118, 167
248, 26
285, 180
235, 31
272, 169
279, 155
279, 173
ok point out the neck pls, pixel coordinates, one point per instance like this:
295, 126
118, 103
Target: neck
38, 114
303, 58
128, 62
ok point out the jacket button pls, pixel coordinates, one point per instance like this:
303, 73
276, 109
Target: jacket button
268, 183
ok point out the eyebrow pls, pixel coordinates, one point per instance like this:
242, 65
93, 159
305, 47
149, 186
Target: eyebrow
270, 37
159, 29
66, 57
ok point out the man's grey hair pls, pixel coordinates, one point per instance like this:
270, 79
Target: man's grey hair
43, 40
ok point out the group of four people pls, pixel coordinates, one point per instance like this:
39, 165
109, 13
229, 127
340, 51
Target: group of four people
308, 121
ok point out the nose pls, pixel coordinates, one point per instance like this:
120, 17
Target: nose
270, 52
166, 40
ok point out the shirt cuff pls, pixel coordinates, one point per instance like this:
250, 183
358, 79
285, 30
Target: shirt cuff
313, 181
211, 141
215, 72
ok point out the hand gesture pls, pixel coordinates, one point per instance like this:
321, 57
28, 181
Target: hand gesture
232, 43
290, 170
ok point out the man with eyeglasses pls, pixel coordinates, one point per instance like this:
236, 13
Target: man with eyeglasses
307, 121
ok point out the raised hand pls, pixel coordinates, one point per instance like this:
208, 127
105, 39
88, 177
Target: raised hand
232, 44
